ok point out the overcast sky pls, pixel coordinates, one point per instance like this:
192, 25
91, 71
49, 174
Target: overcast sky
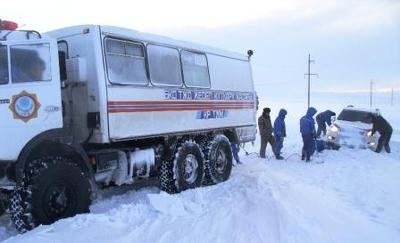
352, 41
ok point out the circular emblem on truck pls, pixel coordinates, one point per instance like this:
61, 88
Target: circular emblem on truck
24, 106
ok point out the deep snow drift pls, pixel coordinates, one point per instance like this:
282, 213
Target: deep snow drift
346, 199
341, 196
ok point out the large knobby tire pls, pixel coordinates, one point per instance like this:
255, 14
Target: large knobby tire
188, 166
52, 188
218, 165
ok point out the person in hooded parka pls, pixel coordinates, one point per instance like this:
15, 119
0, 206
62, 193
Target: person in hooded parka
279, 133
324, 118
307, 130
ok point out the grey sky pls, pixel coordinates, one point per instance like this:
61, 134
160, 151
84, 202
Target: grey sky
352, 41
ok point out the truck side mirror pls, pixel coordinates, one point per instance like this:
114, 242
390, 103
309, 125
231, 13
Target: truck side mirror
76, 69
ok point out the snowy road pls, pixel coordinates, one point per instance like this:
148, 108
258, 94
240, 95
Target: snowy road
353, 196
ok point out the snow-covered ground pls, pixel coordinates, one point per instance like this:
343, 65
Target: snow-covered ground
341, 196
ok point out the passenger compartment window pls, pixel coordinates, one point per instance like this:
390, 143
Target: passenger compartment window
3, 65
195, 69
125, 62
30, 63
164, 65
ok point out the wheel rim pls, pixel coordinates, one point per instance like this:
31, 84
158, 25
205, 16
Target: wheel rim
221, 162
58, 201
191, 165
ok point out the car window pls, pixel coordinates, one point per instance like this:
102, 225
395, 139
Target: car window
355, 116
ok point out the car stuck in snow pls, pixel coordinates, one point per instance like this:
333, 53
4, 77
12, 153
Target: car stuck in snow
89, 107
352, 129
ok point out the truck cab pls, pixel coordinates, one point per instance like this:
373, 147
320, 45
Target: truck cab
30, 93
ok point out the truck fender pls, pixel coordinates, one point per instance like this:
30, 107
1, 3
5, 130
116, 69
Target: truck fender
63, 146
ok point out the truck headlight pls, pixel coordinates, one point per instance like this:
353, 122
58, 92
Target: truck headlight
369, 134
334, 128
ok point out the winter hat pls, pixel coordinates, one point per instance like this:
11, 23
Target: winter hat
267, 110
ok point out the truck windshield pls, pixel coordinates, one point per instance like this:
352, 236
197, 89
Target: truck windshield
3, 65
354, 116
30, 63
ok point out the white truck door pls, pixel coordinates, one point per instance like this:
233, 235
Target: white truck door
30, 100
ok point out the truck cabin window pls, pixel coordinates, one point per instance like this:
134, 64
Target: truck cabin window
3, 65
125, 62
30, 63
164, 65
195, 69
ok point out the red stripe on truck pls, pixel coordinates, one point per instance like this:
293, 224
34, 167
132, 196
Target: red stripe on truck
148, 106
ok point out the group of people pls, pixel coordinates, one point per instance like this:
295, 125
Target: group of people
274, 135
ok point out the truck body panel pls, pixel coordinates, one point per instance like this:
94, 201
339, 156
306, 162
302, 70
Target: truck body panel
131, 111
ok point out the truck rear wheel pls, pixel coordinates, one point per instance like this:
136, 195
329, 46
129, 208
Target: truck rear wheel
53, 188
219, 164
188, 166
185, 172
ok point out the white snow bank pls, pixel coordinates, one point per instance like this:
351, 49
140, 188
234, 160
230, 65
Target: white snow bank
343, 199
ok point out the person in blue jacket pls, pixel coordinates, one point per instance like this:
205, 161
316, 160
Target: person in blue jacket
324, 118
307, 130
279, 133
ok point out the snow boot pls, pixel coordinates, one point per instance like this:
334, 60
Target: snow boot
387, 148
279, 157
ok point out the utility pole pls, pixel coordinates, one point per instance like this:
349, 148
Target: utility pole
309, 74
371, 83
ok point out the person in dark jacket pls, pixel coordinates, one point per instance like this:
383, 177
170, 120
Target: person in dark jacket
324, 118
265, 127
279, 132
385, 130
307, 130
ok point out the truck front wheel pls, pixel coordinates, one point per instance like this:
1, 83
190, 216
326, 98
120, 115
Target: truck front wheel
52, 188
